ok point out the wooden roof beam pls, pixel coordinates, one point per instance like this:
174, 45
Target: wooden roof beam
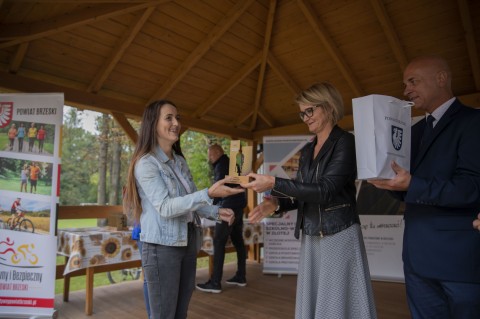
117, 53
266, 117
73, 97
330, 46
245, 115
242, 117
126, 126
263, 65
104, 104
217, 128
215, 34
389, 30
17, 59
18, 33
470, 38
282, 74
82, 1
228, 86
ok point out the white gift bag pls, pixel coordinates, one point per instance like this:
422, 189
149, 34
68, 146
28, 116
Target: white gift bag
382, 127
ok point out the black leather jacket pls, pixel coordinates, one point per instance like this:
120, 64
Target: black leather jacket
324, 189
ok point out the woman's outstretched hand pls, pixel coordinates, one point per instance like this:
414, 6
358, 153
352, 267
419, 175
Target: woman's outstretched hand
227, 215
260, 183
265, 209
219, 189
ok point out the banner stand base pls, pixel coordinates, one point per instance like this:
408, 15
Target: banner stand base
54, 315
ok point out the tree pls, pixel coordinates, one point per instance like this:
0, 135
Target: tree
104, 128
194, 147
115, 164
92, 169
78, 161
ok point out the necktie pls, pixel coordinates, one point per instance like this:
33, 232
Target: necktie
428, 128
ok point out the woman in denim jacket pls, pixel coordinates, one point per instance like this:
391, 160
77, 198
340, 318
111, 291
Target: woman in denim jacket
161, 194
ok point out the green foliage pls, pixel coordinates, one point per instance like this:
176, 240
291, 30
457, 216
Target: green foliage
80, 149
195, 148
78, 161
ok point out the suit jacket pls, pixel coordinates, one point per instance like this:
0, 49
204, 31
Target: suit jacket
444, 197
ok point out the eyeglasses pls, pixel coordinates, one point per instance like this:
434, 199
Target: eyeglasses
308, 112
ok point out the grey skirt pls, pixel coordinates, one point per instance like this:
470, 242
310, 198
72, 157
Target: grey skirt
333, 278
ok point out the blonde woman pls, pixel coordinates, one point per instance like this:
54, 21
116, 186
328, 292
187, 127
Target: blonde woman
333, 275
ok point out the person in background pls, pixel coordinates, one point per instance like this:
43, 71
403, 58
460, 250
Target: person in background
441, 252
34, 175
333, 275
21, 136
12, 134
220, 163
41, 134
136, 236
32, 135
24, 178
161, 194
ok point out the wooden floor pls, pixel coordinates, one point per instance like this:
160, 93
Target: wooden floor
265, 297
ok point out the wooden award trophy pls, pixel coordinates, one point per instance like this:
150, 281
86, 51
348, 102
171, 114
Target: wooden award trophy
240, 162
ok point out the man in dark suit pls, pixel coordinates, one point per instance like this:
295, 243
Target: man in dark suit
220, 163
441, 251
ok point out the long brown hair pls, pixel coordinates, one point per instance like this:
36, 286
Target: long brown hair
146, 143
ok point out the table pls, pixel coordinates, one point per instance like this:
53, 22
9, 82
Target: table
95, 246
100, 249
95, 249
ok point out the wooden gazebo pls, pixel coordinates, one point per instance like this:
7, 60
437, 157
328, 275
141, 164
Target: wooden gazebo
232, 67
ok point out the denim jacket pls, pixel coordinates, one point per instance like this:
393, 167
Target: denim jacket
166, 206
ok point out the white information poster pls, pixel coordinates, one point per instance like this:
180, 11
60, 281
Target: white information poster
27, 273
382, 226
30, 135
281, 248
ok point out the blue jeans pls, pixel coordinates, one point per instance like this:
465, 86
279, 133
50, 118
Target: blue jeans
170, 275
222, 231
145, 287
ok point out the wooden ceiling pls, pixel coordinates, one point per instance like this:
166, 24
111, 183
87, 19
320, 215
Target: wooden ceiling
232, 67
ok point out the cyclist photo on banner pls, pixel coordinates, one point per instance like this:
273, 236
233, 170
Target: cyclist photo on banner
25, 212
13, 211
17, 221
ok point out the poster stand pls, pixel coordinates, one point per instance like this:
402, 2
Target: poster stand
54, 315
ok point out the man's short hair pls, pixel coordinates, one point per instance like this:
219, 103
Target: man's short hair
216, 147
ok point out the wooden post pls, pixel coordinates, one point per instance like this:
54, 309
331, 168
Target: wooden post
89, 290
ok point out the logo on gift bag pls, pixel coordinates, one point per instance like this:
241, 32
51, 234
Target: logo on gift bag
397, 137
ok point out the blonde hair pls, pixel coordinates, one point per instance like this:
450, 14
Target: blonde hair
327, 97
